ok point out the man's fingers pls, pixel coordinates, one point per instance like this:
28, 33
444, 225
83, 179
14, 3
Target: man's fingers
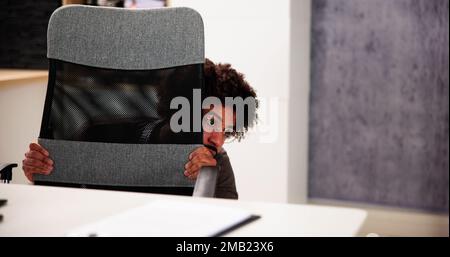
29, 176
200, 150
36, 161
193, 176
200, 160
37, 164
36, 147
192, 167
200, 157
31, 170
203, 158
32, 154
193, 172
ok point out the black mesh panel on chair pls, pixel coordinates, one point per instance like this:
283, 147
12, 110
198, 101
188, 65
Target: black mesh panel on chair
90, 104
118, 106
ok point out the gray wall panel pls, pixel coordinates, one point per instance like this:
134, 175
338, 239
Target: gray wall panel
380, 102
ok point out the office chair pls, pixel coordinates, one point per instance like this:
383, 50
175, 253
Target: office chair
112, 75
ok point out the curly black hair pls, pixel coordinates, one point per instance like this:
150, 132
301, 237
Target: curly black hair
221, 81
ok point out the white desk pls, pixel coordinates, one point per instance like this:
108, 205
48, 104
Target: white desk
53, 211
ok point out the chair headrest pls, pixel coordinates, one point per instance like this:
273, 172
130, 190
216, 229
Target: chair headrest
126, 39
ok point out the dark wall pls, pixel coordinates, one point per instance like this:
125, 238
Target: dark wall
23, 32
379, 116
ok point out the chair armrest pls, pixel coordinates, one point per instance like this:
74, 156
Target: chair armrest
6, 172
205, 186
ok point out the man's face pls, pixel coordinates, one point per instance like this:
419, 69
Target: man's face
216, 121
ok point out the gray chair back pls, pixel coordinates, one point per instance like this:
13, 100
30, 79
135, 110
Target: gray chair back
112, 74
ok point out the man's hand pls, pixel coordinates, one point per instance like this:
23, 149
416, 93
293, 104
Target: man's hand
36, 160
199, 158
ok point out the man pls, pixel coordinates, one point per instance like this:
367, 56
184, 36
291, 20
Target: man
221, 81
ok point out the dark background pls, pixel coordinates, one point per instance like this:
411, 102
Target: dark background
23, 28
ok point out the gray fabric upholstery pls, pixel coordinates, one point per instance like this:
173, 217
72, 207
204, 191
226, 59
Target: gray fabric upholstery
122, 39
119, 38
117, 164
